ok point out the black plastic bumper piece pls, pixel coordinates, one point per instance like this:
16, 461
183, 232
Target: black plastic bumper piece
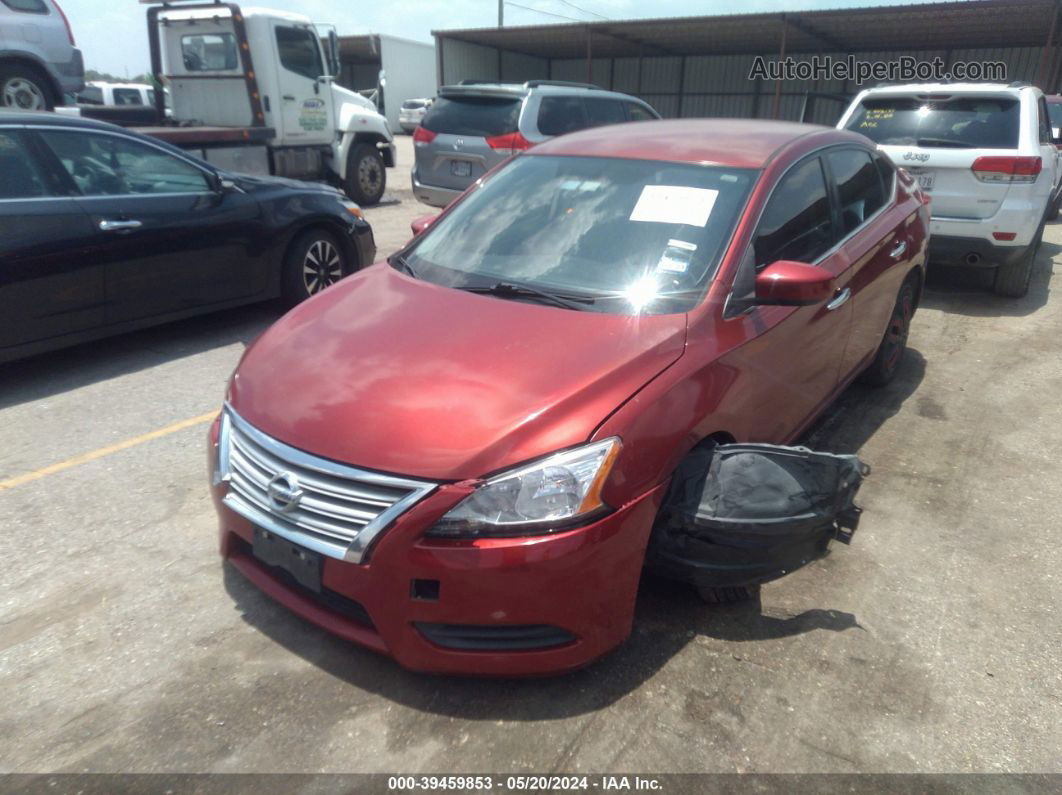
971, 252
469, 637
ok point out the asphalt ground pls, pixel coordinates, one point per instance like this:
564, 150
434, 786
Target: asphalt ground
932, 644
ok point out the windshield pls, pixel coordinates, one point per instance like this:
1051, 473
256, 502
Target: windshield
958, 122
636, 235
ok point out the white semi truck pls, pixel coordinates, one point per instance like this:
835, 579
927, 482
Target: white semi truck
254, 91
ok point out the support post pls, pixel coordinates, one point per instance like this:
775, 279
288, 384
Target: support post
776, 105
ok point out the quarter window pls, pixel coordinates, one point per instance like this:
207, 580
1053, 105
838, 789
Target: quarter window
639, 112
210, 52
859, 188
796, 223
127, 96
106, 165
19, 175
559, 115
300, 52
27, 6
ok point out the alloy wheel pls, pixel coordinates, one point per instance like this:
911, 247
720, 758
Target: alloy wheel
18, 92
321, 267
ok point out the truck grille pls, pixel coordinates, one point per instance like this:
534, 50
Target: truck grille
331, 508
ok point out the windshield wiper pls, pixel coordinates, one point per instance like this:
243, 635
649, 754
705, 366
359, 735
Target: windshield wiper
943, 142
403, 265
508, 290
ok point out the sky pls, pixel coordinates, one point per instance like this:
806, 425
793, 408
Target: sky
111, 33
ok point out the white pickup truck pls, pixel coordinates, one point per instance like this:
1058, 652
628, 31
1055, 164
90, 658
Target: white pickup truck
254, 91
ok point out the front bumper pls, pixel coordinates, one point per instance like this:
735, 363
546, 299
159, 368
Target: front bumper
432, 195
546, 604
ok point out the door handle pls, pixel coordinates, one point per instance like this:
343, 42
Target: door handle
840, 299
109, 225
289, 98
897, 252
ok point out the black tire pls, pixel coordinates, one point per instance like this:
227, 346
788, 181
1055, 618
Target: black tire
732, 595
315, 260
1012, 279
894, 342
25, 87
366, 175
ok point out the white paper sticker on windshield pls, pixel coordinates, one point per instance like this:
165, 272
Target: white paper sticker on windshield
674, 204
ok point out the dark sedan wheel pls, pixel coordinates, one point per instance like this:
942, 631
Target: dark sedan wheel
314, 262
890, 353
366, 175
24, 88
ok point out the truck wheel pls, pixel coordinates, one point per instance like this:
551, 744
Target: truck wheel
313, 262
1012, 279
728, 596
24, 88
366, 175
893, 344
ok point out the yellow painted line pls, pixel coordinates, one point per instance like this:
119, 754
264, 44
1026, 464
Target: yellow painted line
84, 458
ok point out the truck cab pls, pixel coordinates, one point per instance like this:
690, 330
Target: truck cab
267, 73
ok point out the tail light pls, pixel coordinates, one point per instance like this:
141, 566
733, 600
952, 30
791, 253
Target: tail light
1005, 168
509, 143
69, 30
422, 136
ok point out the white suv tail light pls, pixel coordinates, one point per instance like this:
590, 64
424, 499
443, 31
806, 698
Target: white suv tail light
1005, 168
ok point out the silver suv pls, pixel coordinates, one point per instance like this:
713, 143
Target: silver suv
38, 60
473, 126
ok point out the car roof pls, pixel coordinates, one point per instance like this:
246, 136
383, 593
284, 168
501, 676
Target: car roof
739, 143
476, 88
952, 88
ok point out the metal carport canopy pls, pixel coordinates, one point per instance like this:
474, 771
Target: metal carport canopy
925, 26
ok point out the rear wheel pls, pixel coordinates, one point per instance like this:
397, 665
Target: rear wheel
24, 88
1012, 279
1052, 209
314, 261
893, 345
366, 175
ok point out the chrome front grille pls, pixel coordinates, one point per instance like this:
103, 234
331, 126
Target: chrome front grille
332, 508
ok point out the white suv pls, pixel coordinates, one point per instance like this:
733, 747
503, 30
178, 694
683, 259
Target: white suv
985, 155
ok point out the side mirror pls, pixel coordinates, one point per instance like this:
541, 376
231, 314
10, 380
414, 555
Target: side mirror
333, 54
787, 283
422, 223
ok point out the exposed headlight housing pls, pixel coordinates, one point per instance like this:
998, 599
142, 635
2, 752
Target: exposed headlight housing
544, 497
352, 207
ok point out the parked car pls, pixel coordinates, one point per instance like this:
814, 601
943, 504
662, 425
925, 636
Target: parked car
39, 61
99, 92
412, 113
105, 231
1054, 114
457, 457
472, 127
986, 154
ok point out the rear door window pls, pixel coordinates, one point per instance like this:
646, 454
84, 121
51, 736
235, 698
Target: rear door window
20, 177
127, 96
90, 95
858, 184
559, 115
940, 122
600, 111
472, 115
209, 52
796, 224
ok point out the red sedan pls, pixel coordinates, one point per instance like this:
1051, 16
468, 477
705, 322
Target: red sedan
457, 457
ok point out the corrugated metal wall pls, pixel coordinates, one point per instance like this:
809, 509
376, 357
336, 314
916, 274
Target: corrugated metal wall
705, 85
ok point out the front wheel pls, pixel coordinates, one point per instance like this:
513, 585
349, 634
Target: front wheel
24, 88
894, 343
366, 175
314, 261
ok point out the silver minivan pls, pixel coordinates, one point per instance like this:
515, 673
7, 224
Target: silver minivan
474, 126
39, 62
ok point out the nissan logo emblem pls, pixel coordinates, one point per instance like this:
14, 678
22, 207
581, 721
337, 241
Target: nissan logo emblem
284, 492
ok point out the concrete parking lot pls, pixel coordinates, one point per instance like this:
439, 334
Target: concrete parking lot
933, 643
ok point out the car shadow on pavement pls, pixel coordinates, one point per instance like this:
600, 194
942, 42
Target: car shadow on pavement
68, 369
968, 291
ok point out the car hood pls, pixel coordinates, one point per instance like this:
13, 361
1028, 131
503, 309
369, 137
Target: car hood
387, 372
